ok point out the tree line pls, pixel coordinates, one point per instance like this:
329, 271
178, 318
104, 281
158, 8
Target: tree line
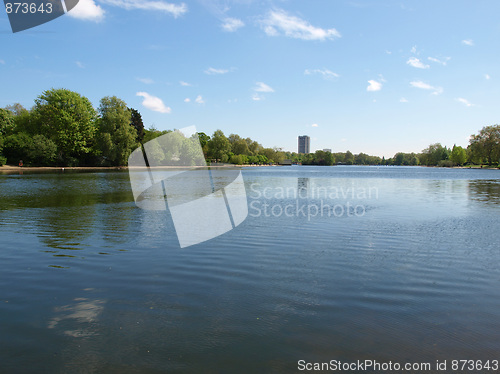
64, 129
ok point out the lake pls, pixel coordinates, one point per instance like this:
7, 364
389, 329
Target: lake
332, 264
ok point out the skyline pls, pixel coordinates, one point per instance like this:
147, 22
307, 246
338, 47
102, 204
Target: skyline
381, 78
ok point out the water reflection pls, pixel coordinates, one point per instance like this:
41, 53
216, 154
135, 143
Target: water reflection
77, 320
485, 191
303, 186
67, 211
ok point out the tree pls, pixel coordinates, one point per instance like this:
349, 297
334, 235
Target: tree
16, 147
204, 139
240, 147
458, 155
349, 158
253, 146
42, 151
16, 109
433, 154
6, 122
399, 158
69, 120
137, 124
219, 146
37, 150
323, 158
117, 138
485, 146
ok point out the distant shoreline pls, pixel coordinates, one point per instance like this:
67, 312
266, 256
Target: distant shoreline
104, 168
11, 168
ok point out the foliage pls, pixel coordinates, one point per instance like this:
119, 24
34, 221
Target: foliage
219, 147
16, 109
433, 154
137, 124
43, 151
6, 122
117, 137
407, 159
485, 146
458, 155
348, 158
68, 119
153, 133
37, 150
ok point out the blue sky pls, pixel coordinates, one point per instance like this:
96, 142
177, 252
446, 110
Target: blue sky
373, 76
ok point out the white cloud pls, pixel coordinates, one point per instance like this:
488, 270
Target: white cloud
257, 97
414, 49
199, 100
278, 22
154, 103
327, 74
403, 100
426, 86
314, 125
232, 24
87, 10
175, 10
185, 84
146, 80
262, 87
213, 71
468, 42
80, 64
487, 76
187, 100
464, 101
374, 86
446, 59
416, 63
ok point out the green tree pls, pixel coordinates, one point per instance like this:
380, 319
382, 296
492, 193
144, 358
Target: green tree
433, 154
69, 120
204, 139
219, 147
485, 146
6, 122
269, 153
16, 147
349, 158
117, 138
240, 147
253, 146
35, 150
458, 155
42, 151
16, 109
137, 124
323, 158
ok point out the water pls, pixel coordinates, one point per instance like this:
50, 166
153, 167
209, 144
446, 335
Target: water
398, 264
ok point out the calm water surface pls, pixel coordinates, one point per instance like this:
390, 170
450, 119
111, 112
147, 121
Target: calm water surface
393, 264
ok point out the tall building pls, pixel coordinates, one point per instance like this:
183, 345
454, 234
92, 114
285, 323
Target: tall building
304, 144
